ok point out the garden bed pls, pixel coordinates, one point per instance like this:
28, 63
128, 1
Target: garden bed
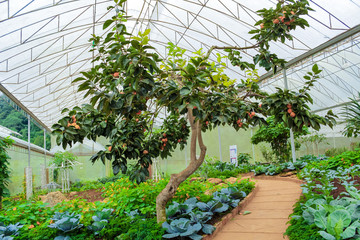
91, 195
220, 222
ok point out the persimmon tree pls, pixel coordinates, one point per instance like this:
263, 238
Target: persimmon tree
130, 88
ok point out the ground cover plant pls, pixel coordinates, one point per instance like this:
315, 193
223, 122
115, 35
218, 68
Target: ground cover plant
130, 85
127, 211
329, 208
223, 170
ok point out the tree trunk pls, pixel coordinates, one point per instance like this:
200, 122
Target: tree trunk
176, 179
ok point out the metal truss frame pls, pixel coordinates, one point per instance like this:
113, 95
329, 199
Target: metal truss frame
55, 52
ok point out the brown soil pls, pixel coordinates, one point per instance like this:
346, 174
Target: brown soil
340, 188
91, 195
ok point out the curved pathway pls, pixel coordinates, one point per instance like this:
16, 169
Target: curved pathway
270, 209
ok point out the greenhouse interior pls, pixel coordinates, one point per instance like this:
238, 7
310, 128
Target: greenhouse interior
186, 119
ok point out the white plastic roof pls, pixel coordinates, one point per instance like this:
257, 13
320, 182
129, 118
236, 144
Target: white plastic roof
44, 44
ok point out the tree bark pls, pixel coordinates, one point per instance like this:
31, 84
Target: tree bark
176, 179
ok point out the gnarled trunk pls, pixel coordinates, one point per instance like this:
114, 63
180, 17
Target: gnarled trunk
176, 179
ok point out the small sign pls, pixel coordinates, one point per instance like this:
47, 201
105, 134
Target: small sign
233, 154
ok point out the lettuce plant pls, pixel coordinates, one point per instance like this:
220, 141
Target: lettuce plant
202, 218
178, 210
182, 228
230, 196
10, 230
66, 223
212, 207
337, 220
3, 237
337, 225
101, 219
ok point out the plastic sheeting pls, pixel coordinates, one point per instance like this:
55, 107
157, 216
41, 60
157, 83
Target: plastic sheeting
44, 44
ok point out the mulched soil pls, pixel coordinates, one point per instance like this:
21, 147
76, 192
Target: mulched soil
91, 195
340, 188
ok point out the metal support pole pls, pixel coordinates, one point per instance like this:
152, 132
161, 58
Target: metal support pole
43, 174
29, 141
253, 147
45, 147
292, 140
221, 159
28, 170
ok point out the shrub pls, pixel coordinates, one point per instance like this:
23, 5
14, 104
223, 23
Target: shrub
4, 167
243, 158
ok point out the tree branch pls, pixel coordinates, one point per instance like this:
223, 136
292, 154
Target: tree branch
230, 47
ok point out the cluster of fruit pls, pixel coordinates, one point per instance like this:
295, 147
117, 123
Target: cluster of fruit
290, 111
252, 114
281, 19
116, 74
164, 140
74, 124
239, 123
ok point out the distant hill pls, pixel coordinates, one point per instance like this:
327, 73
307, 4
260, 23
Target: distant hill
17, 122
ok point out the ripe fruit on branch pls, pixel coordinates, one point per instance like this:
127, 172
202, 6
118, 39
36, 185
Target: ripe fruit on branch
116, 74
276, 21
179, 140
134, 93
292, 12
121, 92
238, 121
260, 105
288, 105
145, 152
195, 107
207, 122
109, 148
138, 113
164, 134
287, 23
253, 113
262, 26
289, 111
292, 114
137, 120
282, 18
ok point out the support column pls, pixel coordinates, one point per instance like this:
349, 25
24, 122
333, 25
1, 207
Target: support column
221, 158
29, 186
292, 140
252, 145
43, 167
28, 171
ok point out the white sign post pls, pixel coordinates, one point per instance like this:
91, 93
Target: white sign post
233, 154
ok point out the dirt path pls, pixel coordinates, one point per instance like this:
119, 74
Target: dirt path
269, 208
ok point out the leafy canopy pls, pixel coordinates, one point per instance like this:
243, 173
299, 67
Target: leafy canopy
131, 91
